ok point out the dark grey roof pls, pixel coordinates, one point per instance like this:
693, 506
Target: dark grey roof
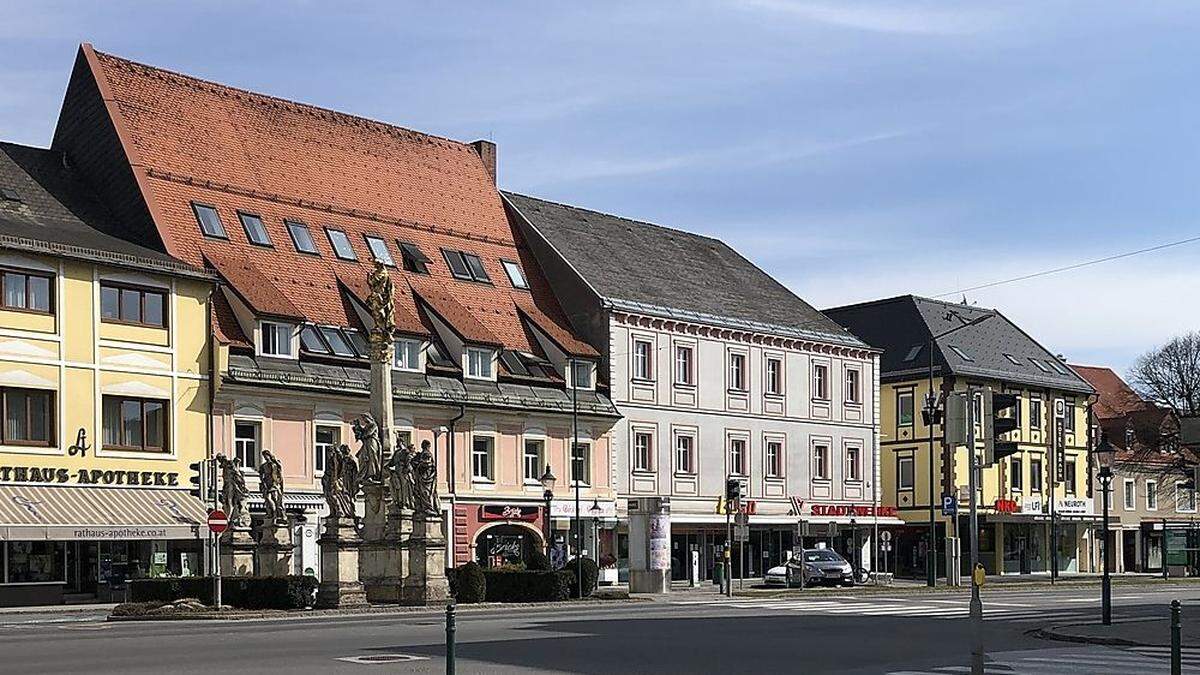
902, 326
56, 214
414, 387
647, 268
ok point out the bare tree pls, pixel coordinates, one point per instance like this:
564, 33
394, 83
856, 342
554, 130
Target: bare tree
1170, 375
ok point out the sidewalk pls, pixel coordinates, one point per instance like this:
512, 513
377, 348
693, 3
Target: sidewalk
58, 609
1153, 632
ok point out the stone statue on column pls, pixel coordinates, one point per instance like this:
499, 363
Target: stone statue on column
370, 452
425, 582
400, 477
275, 546
340, 481
424, 472
340, 541
270, 485
237, 547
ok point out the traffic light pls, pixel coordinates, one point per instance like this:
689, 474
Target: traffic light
199, 480
733, 489
1000, 416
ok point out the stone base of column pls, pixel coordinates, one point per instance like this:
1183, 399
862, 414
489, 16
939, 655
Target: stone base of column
275, 550
237, 552
340, 585
426, 583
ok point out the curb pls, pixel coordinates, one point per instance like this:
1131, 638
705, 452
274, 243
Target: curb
1052, 634
372, 611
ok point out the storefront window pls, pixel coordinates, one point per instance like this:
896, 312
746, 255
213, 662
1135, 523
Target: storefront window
31, 562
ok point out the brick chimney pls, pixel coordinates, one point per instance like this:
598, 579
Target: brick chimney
487, 152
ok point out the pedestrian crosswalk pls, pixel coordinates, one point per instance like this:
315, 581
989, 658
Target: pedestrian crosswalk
1012, 612
1089, 660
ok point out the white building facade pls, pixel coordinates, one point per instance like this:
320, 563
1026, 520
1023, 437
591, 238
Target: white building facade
711, 388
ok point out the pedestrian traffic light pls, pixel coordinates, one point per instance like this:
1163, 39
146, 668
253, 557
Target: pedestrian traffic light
199, 479
733, 489
1000, 416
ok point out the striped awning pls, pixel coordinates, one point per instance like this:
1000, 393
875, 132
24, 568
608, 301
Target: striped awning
52, 512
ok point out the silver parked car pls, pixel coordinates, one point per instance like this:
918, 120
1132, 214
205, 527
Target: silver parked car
818, 565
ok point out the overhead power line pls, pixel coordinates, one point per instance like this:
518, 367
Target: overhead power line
1068, 268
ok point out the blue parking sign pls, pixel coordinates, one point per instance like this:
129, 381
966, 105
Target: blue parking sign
949, 505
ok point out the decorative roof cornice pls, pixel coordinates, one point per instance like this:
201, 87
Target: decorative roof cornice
98, 256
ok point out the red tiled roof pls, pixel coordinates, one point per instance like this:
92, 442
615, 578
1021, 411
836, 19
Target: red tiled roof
405, 307
225, 325
560, 335
455, 315
1115, 397
193, 140
253, 287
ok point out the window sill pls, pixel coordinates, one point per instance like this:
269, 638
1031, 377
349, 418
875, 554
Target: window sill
644, 472
683, 385
774, 395
738, 392
823, 401
641, 380
684, 474
778, 479
822, 480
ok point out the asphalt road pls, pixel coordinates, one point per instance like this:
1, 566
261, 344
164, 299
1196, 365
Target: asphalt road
825, 633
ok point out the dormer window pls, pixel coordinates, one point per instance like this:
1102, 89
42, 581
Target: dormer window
310, 341
479, 363
256, 232
337, 341
581, 375
413, 258
379, 251
275, 339
408, 354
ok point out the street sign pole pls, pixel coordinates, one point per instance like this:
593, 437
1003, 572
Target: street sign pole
976, 601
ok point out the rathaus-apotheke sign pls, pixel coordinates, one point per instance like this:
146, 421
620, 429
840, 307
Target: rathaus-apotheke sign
61, 476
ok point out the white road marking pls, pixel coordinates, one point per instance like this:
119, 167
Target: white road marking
380, 659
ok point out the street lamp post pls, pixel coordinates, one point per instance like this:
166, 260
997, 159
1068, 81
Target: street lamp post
594, 512
853, 544
931, 414
1105, 454
548, 480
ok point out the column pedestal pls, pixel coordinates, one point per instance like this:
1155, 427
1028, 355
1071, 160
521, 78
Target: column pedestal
275, 549
426, 583
237, 552
340, 586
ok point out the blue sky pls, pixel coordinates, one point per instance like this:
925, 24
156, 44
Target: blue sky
855, 150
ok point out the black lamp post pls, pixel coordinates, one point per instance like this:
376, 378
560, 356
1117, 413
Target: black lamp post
548, 481
853, 544
1105, 454
594, 511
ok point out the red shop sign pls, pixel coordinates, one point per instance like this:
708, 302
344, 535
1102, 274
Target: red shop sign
508, 512
1007, 506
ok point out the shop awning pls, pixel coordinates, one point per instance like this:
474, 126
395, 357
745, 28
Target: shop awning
50, 512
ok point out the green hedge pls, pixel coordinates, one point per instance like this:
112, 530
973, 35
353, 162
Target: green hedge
590, 572
470, 583
291, 592
528, 586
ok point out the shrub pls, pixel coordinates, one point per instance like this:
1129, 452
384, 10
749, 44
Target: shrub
290, 592
471, 584
136, 608
589, 570
528, 586
538, 562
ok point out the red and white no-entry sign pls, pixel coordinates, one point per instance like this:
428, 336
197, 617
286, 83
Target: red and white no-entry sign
218, 522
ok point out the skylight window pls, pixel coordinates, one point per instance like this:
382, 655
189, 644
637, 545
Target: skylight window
1058, 367
311, 341
1039, 365
413, 258
961, 354
515, 274
341, 244
337, 341
358, 341
1012, 359
466, 266
210, 221
10, 195
914, 352
301, 237
256, 232
379, 251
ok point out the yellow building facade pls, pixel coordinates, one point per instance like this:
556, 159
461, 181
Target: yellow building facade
104, 399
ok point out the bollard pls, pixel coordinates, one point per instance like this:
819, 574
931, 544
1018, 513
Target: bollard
450, 639
1176, 657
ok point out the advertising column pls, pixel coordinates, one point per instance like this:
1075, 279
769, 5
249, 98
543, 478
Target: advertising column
649, 545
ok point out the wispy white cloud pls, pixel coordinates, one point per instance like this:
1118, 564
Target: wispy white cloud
892, 17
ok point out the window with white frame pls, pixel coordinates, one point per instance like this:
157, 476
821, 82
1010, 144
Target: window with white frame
1151, 495
1035, 475
483, 449
327, 439
643, 451
853, 463
1016, 474
685, 453
820, 382
774, 457
820, 457
246, 442
905, 474
1035, 412
1185, 498
774, 376
737, 457
853, 386
581, 374
1130, 494
1068, 477
276, 338
408, 354
904, 409
533, 460
581, 463
479, 363
737, 371
643, 360
684, 365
